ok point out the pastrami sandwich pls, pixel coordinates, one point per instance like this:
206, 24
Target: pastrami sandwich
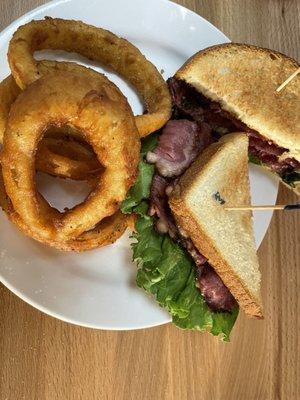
197, 258
218, 178
232, 87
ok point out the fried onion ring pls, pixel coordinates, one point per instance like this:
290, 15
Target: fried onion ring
97, 45
9, 91
64, 158
101, 113
105, 233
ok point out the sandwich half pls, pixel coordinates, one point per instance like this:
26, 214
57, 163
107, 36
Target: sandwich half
232, 87
220, 178
197, 259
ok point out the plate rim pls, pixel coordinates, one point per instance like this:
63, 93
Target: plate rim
51, 3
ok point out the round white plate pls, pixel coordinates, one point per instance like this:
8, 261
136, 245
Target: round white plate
97, 289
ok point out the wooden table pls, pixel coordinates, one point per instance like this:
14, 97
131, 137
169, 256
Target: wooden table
45, 359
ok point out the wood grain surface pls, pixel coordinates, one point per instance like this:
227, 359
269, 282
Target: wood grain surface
45, 359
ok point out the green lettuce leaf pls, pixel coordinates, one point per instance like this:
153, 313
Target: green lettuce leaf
254, 160
290, 178
165, 270
141, 188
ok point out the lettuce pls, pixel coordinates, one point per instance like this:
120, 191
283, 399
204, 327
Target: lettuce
254, 160
165, 270
290, 178
141, 188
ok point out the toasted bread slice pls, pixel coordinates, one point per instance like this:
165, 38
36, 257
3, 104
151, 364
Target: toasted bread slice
224, 237
243, 80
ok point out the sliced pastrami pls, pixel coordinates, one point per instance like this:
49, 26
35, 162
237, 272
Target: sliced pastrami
179, 144
188, 102
215, 293
159, 207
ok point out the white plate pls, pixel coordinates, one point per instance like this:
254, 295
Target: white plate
97, 289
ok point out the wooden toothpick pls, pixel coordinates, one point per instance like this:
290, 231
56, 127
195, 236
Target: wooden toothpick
288, 80
285, 207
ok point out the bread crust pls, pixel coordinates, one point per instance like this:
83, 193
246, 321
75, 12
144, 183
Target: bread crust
185, 218
243, 80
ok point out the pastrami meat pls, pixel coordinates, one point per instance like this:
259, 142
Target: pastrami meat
190, 104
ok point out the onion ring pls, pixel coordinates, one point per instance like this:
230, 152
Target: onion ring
64, 158
104, 234
98, 45
9, 91
101, 113
74, 161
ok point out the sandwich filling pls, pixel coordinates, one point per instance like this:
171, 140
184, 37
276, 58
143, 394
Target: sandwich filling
189, 104
179, 144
